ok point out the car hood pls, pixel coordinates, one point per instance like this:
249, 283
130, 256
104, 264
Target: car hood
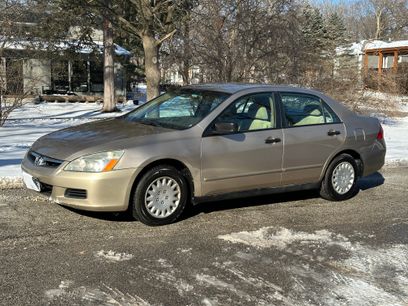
88, 138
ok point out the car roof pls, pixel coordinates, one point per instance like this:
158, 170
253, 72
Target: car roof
232, 88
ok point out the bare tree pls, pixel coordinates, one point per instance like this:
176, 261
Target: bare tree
371, 19
380, 9
177, 53
153, 22
13, 88
231, 40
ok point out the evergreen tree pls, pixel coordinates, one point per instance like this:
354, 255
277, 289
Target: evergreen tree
313, 29
336, 38
335, 31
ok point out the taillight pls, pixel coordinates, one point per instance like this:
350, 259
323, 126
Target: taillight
380, 135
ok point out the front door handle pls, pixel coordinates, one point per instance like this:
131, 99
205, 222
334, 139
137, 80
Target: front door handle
272, 140
333, 132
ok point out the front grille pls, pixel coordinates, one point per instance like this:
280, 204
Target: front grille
43, 161
75, 193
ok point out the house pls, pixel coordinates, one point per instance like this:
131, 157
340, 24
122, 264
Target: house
172, 75
69, 67
385, 56
376, 55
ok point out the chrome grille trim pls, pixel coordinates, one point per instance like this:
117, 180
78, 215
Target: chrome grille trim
40, 160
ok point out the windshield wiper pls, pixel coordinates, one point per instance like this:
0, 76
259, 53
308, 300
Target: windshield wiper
149, 122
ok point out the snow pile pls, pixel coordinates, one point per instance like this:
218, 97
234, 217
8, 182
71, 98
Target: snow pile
11, 182
279, 239
353, 49
112, 256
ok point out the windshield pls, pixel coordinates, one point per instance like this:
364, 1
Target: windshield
177, 110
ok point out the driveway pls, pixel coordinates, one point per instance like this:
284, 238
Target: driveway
289, 249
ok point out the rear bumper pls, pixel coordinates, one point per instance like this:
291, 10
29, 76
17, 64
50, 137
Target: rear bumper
107, 191
374, 159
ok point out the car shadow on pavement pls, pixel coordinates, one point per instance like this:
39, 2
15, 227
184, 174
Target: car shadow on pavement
374, 180
368, 182
271, 199
124, 216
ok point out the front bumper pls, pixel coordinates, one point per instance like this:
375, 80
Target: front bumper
106, 191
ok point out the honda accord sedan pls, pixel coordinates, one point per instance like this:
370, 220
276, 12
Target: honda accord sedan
205, 142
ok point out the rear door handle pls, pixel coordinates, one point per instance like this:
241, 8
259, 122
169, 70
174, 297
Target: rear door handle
272, 140
333, 133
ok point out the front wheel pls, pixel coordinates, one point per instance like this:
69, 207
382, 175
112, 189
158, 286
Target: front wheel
340, 181
160, 196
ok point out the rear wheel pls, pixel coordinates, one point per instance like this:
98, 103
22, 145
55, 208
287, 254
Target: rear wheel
160, 196
340, 181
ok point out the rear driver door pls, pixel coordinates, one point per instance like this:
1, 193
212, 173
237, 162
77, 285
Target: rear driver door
312, 133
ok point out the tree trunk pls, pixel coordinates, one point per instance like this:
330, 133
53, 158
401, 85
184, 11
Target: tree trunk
378, 21
152, 70
187, 54
109, 103
185, 72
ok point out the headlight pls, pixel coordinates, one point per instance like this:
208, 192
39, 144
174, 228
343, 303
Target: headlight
99, 162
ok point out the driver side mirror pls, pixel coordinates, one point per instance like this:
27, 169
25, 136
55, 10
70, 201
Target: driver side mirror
225, 128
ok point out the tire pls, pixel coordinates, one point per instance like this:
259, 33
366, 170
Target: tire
340, 180
160, 196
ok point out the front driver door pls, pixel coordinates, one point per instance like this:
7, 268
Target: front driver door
250, 158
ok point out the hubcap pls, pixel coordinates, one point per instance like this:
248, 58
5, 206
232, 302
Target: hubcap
162, 197
343, 177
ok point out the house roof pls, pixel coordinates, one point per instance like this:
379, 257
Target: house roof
358, 48
379, 44
19, 44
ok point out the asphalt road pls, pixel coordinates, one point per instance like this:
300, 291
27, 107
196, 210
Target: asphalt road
289, 249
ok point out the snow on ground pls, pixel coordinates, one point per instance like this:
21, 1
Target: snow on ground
112, 256
396, 138
92, 296
361, 275
30, 122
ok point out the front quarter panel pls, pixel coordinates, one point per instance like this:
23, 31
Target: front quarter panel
183, 146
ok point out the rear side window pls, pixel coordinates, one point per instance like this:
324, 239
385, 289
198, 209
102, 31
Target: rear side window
303, 109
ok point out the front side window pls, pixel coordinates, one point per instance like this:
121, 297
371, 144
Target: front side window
252, 112
303, 109
177, 110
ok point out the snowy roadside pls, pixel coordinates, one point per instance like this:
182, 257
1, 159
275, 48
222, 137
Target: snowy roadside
27, 124
34, 120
